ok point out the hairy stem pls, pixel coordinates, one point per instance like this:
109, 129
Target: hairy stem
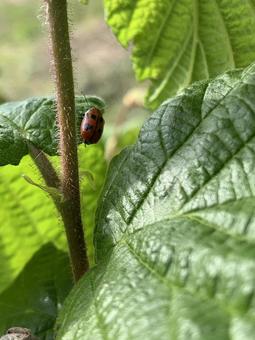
63, 73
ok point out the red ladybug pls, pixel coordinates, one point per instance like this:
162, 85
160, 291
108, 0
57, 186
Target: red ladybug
92, 126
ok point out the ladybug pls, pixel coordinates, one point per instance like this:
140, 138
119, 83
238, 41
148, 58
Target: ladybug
92, 126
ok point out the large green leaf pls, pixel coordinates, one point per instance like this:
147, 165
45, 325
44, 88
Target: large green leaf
35, 297
175, 228
178, 41
34, 120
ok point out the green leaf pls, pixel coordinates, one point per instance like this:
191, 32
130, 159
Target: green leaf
175, 230
89, 176
35, 297
91, 159
28, 220
127, 138
34, 120
178, 42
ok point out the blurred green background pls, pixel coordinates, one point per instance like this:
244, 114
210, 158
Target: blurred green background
101, 66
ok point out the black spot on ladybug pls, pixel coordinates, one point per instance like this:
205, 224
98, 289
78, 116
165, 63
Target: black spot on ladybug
101, 119
99, 130
88, 127
94, 117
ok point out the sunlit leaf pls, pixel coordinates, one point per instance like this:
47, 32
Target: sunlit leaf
177, 42
28, 219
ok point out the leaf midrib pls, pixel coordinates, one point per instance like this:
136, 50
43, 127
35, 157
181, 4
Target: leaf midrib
147, 61
228, 40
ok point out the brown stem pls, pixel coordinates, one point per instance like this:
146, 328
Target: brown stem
62, 67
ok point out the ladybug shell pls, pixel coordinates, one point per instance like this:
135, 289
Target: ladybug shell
92, 126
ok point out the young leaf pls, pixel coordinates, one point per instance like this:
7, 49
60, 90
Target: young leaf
34, 120
175, 226
35, 297
177, 42
54, 192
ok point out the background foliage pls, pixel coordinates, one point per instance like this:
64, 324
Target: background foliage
175, 43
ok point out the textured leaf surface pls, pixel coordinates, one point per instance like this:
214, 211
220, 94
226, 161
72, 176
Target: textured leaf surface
35, 297
33, 120
175, 228
177, 42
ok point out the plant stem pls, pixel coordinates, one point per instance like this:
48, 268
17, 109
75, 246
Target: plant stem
62, 68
